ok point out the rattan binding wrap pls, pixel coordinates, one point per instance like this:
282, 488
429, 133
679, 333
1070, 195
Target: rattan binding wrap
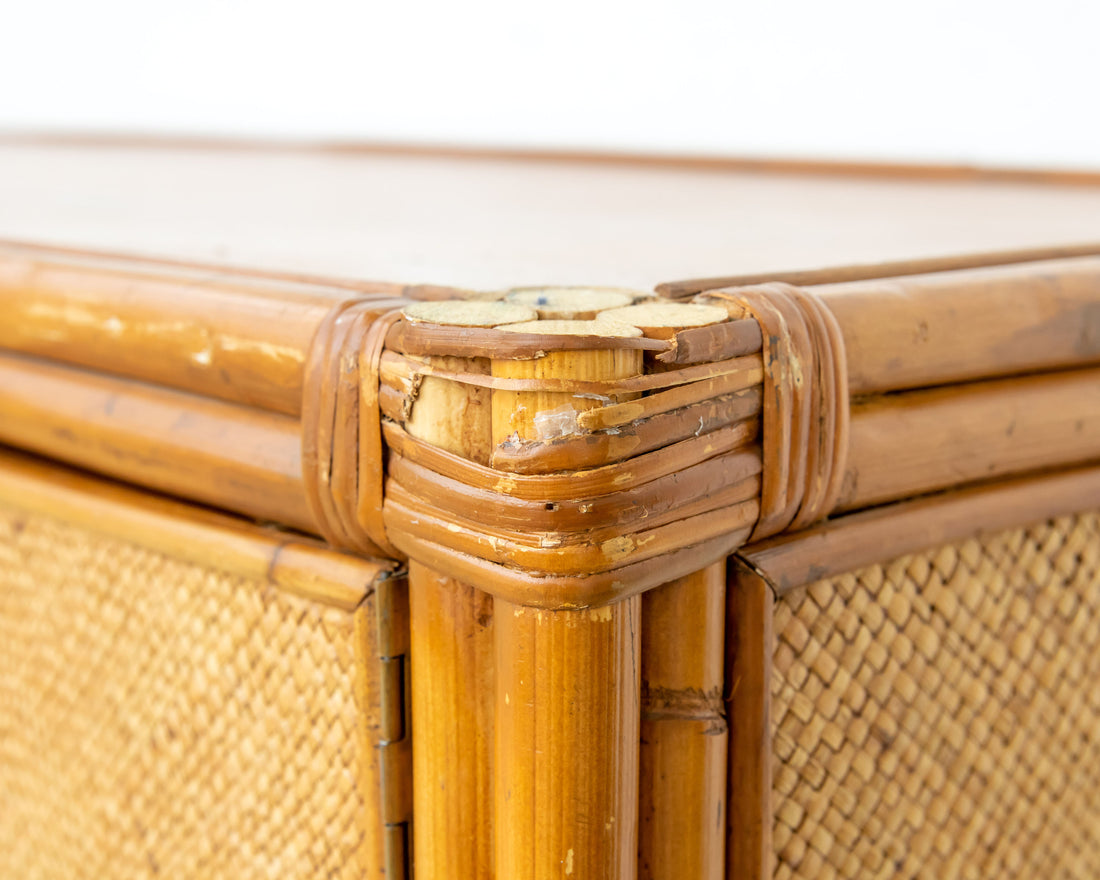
161, 718
937, 716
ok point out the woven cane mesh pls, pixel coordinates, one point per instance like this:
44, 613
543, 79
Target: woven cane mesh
159, 718
940, 716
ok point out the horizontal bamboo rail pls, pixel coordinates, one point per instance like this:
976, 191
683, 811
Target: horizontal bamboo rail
234, 337
233, 457
855, 540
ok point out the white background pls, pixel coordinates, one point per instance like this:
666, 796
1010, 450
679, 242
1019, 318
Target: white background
991, 83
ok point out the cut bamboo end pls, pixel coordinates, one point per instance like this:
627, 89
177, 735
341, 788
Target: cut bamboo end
571, 303
595, 327
468, 313
663, 320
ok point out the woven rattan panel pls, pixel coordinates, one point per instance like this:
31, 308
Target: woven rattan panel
940, 716
163, 719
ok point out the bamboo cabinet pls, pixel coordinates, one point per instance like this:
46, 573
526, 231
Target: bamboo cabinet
789, 573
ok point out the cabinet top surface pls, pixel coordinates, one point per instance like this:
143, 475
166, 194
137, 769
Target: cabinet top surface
493, 221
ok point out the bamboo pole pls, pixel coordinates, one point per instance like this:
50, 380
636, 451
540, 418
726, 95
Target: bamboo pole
452, 636
223, 454
902, 445
566, 795
236, 338
682, 768
749, 647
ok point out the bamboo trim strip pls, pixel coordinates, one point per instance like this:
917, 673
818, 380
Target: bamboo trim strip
401, 372
736, 471
736, 412
567, 591
594, 483
295, 564
867, 537
466, 342
342, 449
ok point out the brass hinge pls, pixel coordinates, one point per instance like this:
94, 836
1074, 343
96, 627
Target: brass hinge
395, 736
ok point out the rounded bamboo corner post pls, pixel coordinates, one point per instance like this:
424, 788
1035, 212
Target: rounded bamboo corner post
567, 704
682, 775
451, 627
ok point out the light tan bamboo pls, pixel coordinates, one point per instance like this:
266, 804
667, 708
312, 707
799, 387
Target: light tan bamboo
566, 794
452, 638
570, 303
682, 766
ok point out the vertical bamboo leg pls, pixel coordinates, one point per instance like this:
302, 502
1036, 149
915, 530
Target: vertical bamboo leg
452, 717
566, 795
749, 663
682, 776
567, 742
452, 640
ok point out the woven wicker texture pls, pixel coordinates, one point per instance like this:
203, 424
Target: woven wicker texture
162, 719
940, 716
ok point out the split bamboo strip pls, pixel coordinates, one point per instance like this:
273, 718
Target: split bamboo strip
452, 635
566, 800
230, 456
663, 320
682, 760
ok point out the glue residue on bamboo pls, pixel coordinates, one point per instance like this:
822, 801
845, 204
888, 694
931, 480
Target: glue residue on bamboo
545, 415
452, 415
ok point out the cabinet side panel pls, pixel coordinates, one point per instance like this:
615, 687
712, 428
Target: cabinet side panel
162, 718
938, 715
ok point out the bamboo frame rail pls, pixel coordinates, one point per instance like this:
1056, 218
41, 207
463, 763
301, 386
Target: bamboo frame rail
567, 498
